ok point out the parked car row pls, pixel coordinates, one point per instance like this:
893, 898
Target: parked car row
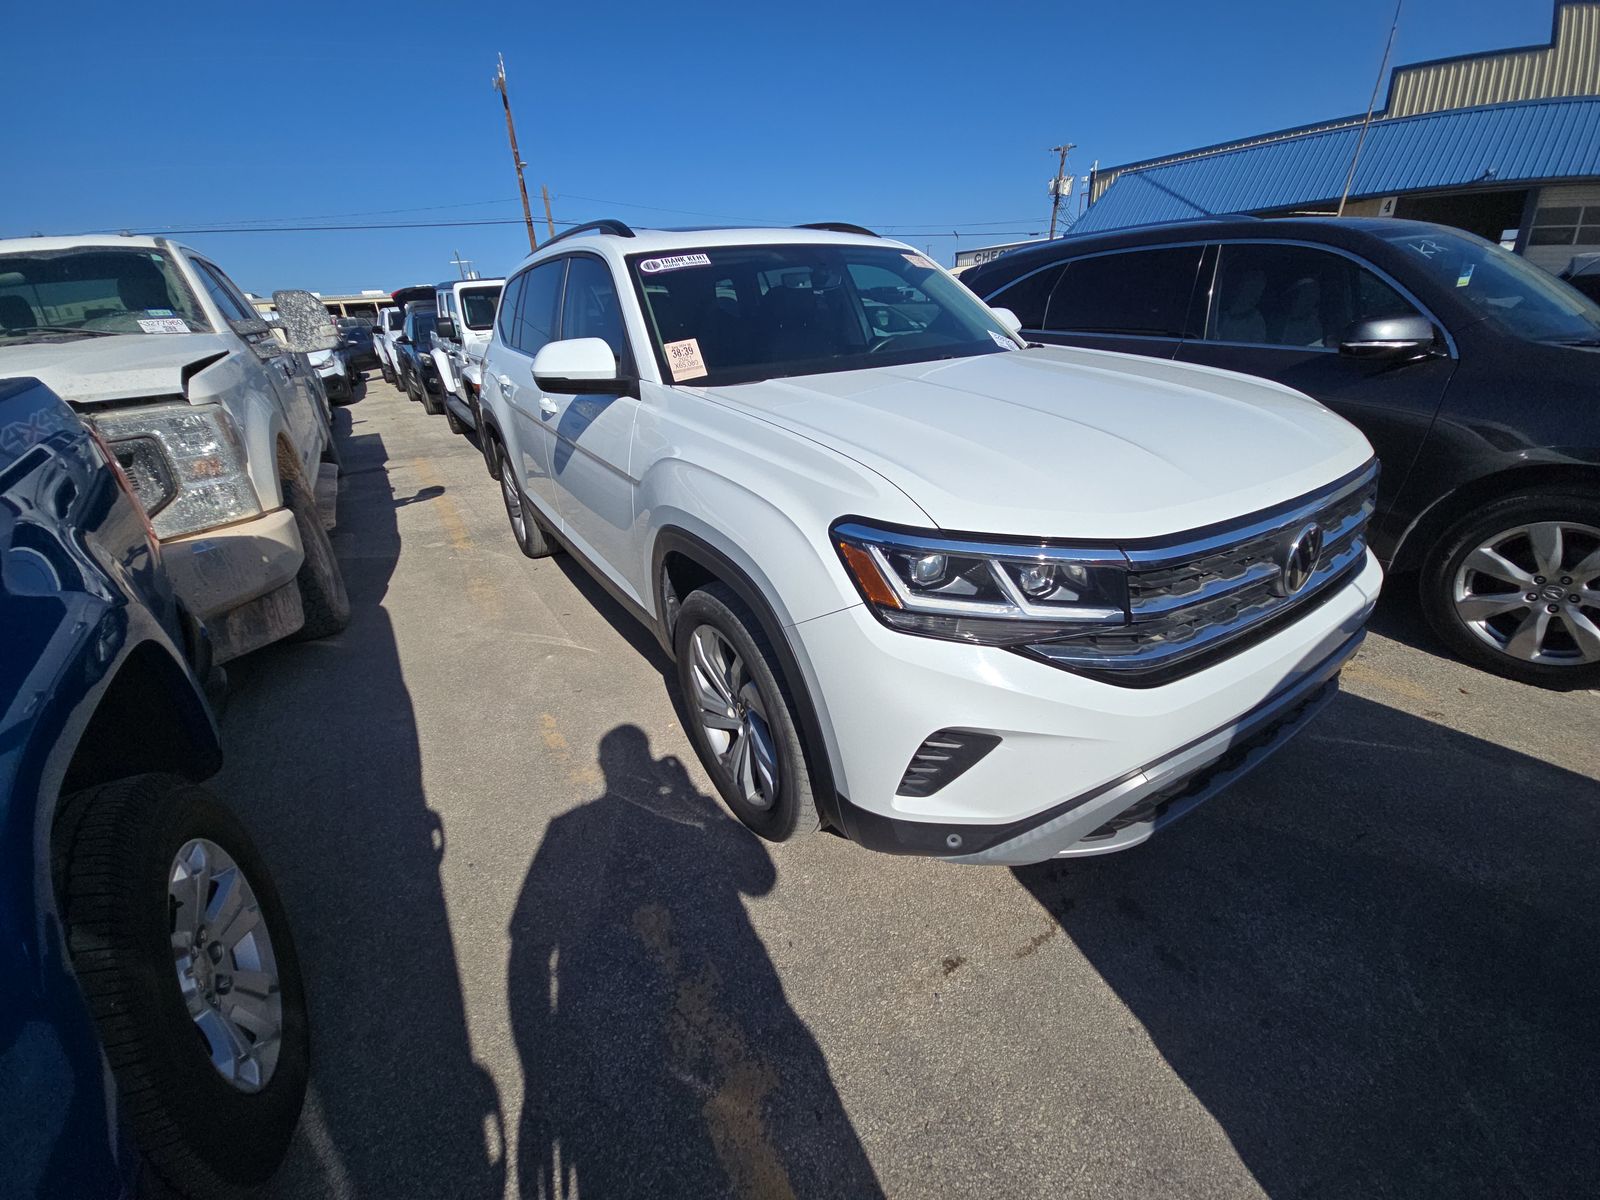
167, 479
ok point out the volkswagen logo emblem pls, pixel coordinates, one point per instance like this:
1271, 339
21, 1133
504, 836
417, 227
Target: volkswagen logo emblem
1297, 562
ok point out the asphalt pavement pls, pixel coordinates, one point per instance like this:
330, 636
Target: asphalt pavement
543, 961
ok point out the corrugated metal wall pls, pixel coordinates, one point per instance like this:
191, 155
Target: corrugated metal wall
1570, 67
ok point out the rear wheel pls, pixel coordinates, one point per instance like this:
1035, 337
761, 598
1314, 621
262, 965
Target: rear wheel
1515, 588
741, 714
321, 583
184, 954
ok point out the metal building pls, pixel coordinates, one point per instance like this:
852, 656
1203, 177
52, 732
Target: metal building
1505, 143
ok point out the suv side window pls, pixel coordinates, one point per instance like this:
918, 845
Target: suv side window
591, 308
1135, 292
1279, 294
1029, 296
508, 307
536, 315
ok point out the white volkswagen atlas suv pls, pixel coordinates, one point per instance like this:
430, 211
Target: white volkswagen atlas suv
940, 591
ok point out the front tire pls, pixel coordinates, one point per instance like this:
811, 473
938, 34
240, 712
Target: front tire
1514, 588
321, 582
184, 953
741, 715
454, 422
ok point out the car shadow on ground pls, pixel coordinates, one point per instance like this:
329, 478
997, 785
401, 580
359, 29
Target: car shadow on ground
1375, 961
323, 764
660, 1054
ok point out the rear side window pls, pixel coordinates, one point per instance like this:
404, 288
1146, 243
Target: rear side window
536, 315
1295, 296
1029, 296
1143, 293
508, 307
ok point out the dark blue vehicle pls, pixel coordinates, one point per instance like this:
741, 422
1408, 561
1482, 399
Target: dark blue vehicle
152, 1024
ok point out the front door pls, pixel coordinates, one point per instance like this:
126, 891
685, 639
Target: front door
594, 434
1279, 310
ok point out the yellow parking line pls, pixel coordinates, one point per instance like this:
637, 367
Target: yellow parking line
484, 596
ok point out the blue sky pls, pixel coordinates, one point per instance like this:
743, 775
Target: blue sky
921, 119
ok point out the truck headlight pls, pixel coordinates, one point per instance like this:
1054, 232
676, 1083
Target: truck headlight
993, 593
186, 463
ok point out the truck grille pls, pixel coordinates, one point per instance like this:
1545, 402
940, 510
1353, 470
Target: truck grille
1191, 598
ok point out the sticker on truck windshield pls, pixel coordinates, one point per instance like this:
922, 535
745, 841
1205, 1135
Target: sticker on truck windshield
677, 262
916, 260
164, 325
1002, 341
684, 361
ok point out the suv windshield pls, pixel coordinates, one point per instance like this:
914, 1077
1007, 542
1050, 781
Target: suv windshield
1517, 295
734, 314
478, 305
94, 290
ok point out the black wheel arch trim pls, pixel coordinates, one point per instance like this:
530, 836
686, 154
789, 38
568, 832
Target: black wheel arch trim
831, 806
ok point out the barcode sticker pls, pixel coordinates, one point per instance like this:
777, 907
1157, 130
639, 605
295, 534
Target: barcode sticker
684, 361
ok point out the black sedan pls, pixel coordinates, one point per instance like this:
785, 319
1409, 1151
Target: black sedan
1472, 372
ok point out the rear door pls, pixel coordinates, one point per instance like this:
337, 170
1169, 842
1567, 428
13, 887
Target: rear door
529, 425
1280, 309
1134, 301
593, 434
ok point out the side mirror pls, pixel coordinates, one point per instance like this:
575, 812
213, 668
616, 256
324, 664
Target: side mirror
580, 367
305, 321
1009, 319
445, 327
401, 339
1388, 337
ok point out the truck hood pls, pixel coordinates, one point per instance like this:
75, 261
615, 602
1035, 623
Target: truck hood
1064, 443
129, 366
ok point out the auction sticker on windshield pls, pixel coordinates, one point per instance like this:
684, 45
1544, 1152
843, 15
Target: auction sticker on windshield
164, 325
676, 262
684, 361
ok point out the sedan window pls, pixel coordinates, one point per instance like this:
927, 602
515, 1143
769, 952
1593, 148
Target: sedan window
1141, 292
1278, 294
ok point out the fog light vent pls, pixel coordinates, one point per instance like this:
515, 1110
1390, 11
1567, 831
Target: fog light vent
942, 757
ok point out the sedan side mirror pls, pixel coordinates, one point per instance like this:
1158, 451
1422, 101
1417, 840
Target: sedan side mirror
1388, 337
1009, 319
306, 323
445, 327
581, 367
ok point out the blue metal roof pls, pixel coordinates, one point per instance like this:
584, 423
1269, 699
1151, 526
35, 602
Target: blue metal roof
1503, 143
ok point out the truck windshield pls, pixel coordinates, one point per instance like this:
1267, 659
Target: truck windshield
478, 305
1518, 296
50, 294
734, 314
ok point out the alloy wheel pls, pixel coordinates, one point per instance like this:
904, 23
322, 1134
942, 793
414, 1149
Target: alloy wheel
1533, 592
734, 717
227, 971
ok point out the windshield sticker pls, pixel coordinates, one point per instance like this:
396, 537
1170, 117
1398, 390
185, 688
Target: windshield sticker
916, 260
684, 361
164, 325
1466, 276
159, 312
1002, 341
677, 262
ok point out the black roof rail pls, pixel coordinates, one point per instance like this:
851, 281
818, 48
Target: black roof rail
838, 227
612, 227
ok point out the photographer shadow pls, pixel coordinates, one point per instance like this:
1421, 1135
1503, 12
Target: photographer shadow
659, 1051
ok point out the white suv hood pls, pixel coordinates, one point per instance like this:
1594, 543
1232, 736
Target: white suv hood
125, 367
1069, 443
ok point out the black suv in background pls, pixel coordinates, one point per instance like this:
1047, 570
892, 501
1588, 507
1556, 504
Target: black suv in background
1473, 373
413, 349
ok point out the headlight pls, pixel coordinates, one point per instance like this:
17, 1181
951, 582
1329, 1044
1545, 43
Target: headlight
990, 593
186, 463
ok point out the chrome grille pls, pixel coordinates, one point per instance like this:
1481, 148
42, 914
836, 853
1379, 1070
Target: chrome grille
1190, 597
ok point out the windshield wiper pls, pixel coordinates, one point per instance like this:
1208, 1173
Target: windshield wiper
59, 329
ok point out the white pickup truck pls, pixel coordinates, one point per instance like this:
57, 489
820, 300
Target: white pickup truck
466, 310
222, 427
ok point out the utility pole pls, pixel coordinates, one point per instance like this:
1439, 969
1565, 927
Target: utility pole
1058, 182
1366, 124
516, 158
548, 223
461, 264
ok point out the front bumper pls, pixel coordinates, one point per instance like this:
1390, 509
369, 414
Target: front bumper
240, 580
334, 381
1074, 753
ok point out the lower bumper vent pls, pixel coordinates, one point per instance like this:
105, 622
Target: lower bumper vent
943, 756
